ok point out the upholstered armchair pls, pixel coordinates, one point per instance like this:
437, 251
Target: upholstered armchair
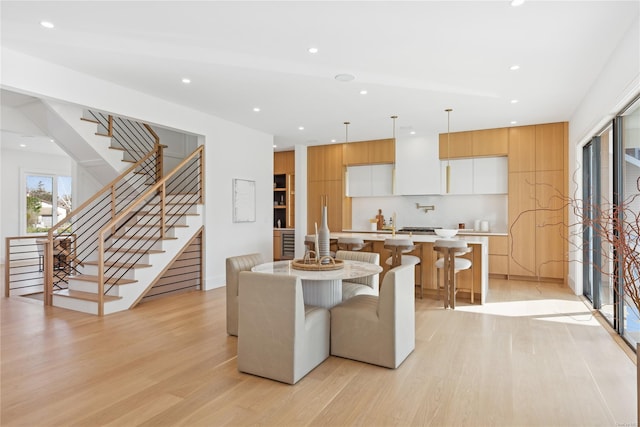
377, 329
279, 337
235, 265
368, 285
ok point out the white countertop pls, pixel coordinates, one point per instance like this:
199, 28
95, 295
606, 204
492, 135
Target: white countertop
465, 232
426, 238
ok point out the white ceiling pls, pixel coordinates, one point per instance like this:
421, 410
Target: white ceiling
414, 58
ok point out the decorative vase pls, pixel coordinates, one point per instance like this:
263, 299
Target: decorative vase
323, 236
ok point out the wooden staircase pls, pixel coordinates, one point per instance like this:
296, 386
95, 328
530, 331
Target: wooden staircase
127, 235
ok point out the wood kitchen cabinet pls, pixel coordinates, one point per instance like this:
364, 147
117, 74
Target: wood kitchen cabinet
476, 143
284, 162
498, 256
326, 177
370, 152
490, 142
456, 145
537, 190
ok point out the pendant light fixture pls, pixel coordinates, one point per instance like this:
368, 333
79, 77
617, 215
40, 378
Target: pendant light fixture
394, 126
346, 168
448, 167
393, 172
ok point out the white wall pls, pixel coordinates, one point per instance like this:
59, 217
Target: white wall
227, 145
449, 211
616, 86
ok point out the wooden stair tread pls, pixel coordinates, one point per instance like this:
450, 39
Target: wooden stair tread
142, 237
147, 213
87, 278
103, 134
119, 264
85, 296
84, 119
135, 251
158, 225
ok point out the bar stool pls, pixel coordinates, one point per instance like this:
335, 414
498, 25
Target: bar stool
450, 264
352, 244
398, 248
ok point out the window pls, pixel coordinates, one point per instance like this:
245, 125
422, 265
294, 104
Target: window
48, 201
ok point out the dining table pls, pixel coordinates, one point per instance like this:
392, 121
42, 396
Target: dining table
321, 288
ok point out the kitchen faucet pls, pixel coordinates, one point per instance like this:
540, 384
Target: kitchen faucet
426, 208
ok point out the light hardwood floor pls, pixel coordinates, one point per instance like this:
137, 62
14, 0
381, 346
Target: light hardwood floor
533, 355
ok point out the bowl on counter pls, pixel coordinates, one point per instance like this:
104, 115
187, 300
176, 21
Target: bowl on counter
447, 233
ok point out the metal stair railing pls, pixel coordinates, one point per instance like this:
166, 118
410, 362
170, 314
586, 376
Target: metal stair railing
153, 213
134, 138
81, 226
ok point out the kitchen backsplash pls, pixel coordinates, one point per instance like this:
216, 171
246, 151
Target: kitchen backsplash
448, 213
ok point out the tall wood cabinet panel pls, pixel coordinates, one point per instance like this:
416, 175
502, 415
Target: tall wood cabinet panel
550, 224
550, 146
537, 189
325, 177
522, 149
522, 221
324, 162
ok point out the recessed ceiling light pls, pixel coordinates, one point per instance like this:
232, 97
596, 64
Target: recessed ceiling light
23, 145
275, 146
256, 109
344, 77
300, 127
52, 140
363, 92
513, 122
186, 80
313, 50
46, 24
514, 101
413, 132
333, 140
514, 67
516, 3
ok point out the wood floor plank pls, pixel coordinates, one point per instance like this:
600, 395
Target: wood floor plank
532, 356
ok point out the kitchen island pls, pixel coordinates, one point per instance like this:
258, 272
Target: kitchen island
477, 277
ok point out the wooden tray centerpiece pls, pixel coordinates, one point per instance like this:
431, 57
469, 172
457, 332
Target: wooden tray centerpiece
311, 263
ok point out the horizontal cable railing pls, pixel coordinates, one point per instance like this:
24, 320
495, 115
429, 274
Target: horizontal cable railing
134, 138
138, 229
85, 221
25, 263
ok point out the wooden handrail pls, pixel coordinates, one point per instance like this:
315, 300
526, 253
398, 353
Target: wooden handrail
108, 187
158, 188
153, 189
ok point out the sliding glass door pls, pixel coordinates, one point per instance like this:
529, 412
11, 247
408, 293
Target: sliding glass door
630, 221
611, 211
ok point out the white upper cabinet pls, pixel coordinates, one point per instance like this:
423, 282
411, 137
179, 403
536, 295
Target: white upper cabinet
461, 176
490, 175
417, 166
480, 175
370, 180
